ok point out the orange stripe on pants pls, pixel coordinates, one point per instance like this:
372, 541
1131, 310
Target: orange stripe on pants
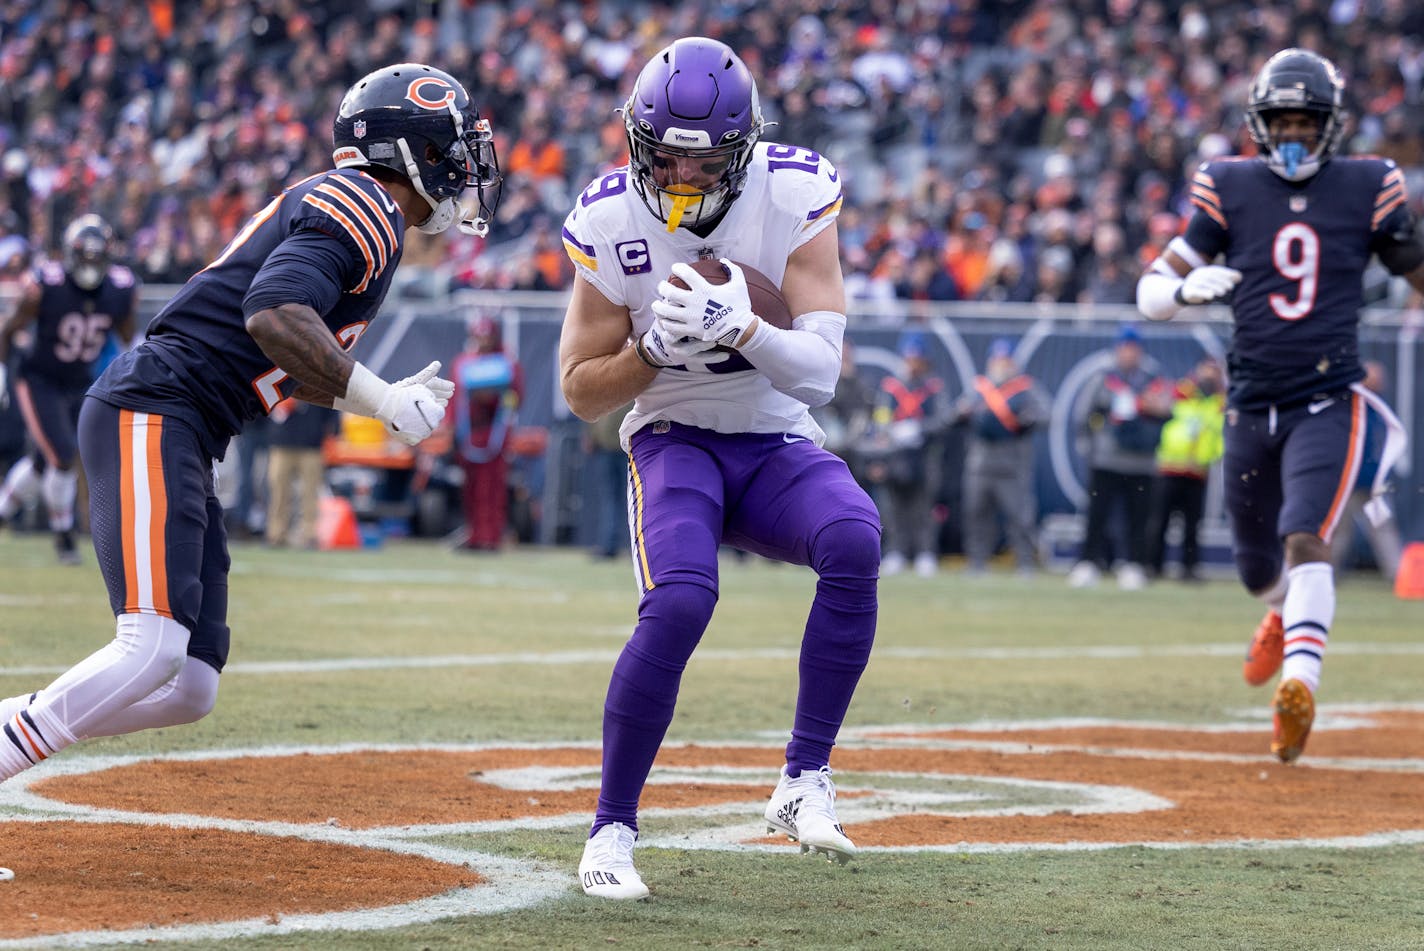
143, 505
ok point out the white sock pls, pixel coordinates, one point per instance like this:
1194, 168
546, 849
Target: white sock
20, 488
1307, 615
13, 705
61, 486
147, 651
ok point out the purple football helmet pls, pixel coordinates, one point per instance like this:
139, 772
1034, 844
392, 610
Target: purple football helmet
693, 120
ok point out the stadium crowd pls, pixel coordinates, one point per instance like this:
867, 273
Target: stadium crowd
1012, 151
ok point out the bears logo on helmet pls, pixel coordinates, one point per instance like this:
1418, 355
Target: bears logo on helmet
418, 121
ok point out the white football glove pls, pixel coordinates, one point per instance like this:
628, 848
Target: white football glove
409, 408
661, 346
411, 411
719, 313
4, 387
1210, 282
441, 388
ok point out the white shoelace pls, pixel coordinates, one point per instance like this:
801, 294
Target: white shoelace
614, 850
817, 792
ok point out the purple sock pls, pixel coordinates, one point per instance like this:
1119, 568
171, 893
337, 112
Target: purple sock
836, 645
643, 692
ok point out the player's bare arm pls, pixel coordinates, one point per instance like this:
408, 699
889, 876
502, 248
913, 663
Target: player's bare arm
598, 371
299, 343
813, 280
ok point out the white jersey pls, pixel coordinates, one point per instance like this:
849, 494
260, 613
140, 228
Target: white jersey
621, 248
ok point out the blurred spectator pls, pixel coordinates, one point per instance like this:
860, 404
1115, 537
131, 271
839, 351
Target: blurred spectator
846, 418
489, 385
1190, 444
296, 471
166, 117
905, 453
1384, 539
1125, 416
1002, 415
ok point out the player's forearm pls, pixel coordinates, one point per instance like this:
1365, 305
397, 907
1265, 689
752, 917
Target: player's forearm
312, 395
295, 339
803, 363
596, 386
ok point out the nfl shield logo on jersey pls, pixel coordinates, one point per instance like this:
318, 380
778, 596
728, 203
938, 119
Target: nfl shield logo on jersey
358, 128
1298, 203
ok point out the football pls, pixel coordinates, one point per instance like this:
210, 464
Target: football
767, 302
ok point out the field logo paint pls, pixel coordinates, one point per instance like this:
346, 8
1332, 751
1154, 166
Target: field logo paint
1068, 785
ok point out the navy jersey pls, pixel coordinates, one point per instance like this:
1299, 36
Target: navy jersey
330, 242
72, 324
1302, 249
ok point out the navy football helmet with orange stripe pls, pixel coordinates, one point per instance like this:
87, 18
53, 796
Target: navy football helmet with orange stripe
418, 120
1297, 80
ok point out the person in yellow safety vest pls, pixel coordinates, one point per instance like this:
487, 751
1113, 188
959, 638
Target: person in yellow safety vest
1191, 442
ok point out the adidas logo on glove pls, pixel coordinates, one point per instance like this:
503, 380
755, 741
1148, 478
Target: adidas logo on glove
714, 313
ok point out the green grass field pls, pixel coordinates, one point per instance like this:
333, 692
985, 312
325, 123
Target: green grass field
412, 645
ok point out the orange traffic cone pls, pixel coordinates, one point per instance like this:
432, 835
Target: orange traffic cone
1409, 580
336, 524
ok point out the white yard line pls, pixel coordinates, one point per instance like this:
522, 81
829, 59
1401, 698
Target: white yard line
608, 655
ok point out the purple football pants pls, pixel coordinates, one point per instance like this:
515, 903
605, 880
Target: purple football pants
694, 490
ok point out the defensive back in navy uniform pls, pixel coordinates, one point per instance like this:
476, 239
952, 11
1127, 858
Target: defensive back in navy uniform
1293, 229
1301, 248
216, 366
73, 324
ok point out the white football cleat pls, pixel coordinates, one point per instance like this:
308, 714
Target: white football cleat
606, 869
804, 808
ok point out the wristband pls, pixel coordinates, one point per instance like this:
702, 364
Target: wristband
364, 393
642, 351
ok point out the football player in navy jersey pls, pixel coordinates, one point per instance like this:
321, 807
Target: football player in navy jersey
1293, 229
272, 317
72, 305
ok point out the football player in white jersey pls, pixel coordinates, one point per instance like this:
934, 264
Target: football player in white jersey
722, 448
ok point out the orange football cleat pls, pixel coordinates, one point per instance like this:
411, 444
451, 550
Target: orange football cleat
1266, 650
1294, 715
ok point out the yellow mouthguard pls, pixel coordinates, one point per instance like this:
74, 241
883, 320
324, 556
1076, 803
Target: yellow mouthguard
684, 196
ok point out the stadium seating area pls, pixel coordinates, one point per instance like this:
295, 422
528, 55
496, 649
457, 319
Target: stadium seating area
1002, 151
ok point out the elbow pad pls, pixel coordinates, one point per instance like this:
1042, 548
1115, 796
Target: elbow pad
804, 362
